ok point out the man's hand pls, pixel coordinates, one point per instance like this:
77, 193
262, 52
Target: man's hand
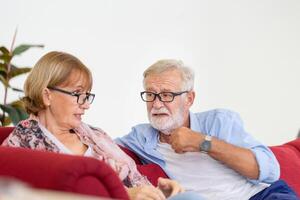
147, 192
169, 187
185, 140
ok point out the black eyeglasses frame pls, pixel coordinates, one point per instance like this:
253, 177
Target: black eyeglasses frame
158, 95
75, 94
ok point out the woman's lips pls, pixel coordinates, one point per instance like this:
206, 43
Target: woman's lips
78, 116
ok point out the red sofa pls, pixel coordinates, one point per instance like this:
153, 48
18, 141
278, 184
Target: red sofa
60, 172
287, 154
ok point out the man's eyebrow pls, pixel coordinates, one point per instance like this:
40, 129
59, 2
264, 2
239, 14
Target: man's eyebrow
164, 90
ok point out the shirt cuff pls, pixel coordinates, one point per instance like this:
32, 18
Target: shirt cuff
269, 170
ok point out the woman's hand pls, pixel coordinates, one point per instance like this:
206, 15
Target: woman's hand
169, 187
147, 192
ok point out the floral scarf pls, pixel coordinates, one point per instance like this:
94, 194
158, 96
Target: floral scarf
28, 134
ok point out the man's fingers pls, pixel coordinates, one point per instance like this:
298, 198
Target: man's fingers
176, 189
169, 187
153, 193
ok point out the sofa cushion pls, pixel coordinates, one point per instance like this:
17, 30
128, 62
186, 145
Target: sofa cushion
61, 172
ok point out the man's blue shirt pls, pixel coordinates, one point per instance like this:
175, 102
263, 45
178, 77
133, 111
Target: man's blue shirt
222, 124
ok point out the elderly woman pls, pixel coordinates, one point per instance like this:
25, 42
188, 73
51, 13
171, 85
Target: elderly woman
57, 94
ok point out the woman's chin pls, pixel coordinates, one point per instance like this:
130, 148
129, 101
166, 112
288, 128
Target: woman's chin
76, 123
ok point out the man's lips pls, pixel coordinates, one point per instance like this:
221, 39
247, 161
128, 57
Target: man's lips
160, 114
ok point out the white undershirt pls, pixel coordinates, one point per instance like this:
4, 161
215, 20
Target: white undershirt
60, 145
198, 172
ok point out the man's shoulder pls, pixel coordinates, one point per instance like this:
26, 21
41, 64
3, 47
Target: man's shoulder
140, 134
217, 113
144, 129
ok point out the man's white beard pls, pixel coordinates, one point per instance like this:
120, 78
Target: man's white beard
166, 124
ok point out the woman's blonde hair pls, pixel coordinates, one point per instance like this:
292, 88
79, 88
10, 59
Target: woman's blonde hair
53, 69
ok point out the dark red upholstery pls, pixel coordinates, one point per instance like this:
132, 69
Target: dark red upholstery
151, 171
4, 132
288, 156
59, 172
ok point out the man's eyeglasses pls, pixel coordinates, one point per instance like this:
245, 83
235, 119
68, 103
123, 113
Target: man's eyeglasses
162, 96
81, 97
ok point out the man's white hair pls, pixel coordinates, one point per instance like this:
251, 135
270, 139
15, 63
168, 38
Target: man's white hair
187, 74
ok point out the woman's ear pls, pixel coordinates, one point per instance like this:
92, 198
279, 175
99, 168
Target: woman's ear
46, 97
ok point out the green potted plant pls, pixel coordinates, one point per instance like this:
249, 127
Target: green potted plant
14, 111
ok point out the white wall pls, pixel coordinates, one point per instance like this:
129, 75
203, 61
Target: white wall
246, 54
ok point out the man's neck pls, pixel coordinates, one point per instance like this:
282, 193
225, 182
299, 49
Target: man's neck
164, 138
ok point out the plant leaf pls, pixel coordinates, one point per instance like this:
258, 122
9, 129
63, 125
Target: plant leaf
5, 55
4, 50
4, 81
3, 69
24, 47
19, 106
7, 120
15, 71
6, 58
22, 114
17, 89
12, 113
15, 111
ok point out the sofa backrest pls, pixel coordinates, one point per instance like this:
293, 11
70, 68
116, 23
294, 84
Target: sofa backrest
288, 155
4, 132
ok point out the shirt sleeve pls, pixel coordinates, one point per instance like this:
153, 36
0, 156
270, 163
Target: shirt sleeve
133, 141
228, 126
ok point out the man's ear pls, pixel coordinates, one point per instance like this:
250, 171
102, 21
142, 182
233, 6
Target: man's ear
46, 97
190, 98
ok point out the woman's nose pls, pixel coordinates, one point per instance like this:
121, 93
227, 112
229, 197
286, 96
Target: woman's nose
86, 105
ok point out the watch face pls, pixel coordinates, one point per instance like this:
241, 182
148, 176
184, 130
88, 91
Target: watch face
205, 146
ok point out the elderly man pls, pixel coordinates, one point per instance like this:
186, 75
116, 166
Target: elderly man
207, 152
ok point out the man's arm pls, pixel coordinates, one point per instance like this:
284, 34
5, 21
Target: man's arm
239, 159
231, 145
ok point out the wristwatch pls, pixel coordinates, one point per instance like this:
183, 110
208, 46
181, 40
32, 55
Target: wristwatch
205, 146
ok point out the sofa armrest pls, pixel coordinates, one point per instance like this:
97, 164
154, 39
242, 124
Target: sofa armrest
61, 172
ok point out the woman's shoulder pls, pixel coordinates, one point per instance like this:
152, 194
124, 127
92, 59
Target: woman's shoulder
28, 134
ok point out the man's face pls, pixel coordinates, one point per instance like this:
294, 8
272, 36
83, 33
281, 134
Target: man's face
167, 116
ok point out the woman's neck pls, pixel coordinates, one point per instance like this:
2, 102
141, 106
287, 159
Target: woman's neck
51, 124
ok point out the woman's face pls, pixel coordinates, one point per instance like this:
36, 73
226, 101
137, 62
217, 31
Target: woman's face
64, 109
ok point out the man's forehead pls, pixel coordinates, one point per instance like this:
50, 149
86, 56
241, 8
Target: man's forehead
163, 82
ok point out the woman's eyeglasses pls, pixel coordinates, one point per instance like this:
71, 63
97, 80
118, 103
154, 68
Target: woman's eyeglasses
81, 97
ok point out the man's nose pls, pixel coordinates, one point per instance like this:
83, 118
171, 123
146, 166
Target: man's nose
157, 103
